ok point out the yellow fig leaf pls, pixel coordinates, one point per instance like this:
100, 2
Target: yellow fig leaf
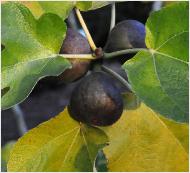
34, 7
141, 142
60, 144
180, 130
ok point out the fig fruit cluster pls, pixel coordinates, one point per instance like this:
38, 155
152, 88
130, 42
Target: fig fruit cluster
97, 100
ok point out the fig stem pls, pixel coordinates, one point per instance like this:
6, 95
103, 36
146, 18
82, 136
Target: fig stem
117, 76
122, 52
83, 24
113, 13
77, 56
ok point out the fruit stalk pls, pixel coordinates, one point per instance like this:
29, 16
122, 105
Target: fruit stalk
117, 76
83, 24
122, 52
78, 56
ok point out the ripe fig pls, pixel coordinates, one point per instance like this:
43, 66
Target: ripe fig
96, 100
126, 35
74, 43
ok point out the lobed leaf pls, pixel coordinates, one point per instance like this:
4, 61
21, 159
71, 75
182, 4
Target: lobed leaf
141, 142
30, 53
91, 5
179, 130
60, 144
62, 8
159, 76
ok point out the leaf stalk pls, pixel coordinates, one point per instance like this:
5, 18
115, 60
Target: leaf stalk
117, 76
123, 52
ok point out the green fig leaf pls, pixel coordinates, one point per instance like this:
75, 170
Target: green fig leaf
58, 145
90, 5
141, 142
159, 75
31, 51
34, 7
5, 153
61, 8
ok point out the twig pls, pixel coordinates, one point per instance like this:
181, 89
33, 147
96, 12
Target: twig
112, 24
117, 76
122, 52
83, 24
20, 119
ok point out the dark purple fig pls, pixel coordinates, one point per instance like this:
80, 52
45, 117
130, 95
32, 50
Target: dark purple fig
96, 100
126, 35
74, 43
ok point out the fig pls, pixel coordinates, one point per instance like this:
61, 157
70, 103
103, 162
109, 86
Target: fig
96, 100
126, 35
74, 43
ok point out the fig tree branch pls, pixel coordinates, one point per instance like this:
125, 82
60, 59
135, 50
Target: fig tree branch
83, 24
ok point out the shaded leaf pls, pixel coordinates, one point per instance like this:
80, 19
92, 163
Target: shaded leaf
159, 76
30, 53
130, 100
141, 142
101, 162
60, 144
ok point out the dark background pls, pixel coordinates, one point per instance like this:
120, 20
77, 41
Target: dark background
47, 100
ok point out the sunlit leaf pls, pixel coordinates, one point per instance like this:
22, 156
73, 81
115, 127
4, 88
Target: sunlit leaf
180, 130
30, 53
141, 142
61, 8
91, 5
60, 144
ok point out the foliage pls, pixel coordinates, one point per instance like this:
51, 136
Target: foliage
32, 46
63, 8
146, 137
5, 153
60, 144
141, 142
159, 76
139, 139
30, 53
